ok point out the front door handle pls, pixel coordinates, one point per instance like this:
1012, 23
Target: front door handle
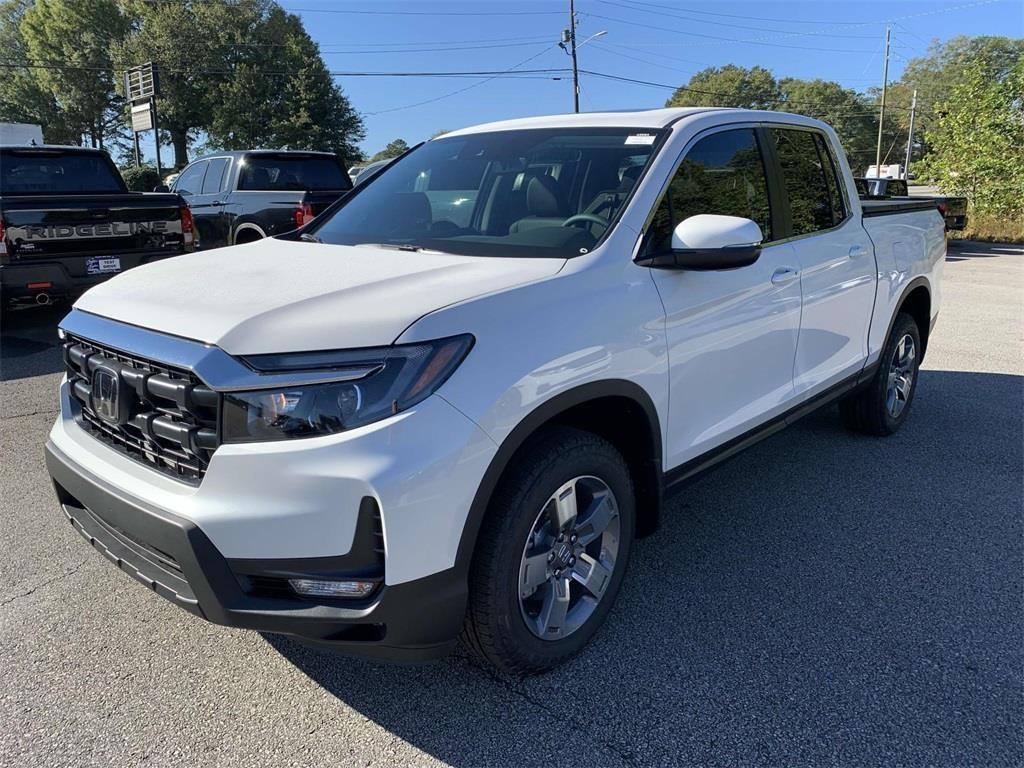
857, 251
784, 275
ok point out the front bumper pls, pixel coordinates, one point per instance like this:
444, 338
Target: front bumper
411, 621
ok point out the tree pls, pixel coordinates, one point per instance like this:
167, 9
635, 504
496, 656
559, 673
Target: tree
393, 149
142, 178
978, 139
68, 43
938, 72
728, 86
22, 98
279, 92
184, 39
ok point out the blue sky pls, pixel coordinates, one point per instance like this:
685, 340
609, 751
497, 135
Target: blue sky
662, 41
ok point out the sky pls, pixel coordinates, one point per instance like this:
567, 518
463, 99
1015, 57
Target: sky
659, 41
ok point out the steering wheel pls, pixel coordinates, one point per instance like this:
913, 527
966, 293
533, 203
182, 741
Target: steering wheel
589, 218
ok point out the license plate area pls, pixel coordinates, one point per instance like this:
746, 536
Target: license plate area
99, 265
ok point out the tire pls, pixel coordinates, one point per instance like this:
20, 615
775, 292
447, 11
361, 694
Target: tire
882, 407
501, 627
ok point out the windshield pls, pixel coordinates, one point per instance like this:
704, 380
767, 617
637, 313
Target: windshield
33, 172
541, 192
284, 172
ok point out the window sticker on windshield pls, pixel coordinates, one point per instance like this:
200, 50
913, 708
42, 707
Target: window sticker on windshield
640, 138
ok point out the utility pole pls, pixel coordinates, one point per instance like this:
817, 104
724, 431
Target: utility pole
881, 113
572, 47
910, 137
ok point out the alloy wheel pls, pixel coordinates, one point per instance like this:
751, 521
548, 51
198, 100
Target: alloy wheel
569, 558
902, 369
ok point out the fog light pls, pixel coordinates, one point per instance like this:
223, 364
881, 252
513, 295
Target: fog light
318, 588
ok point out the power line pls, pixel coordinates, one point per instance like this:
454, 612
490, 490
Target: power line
662, 11
932, 12
422, 13
468, 87
427, 50
637, 81
51, 64
725, 39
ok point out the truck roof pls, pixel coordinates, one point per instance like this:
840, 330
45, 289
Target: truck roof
51, 148
644, 118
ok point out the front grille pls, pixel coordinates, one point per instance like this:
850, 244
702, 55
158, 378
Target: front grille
170, 419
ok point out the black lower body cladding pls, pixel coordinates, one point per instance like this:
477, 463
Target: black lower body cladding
414, 621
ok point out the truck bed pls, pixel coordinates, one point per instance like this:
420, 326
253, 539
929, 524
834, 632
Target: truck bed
892, 205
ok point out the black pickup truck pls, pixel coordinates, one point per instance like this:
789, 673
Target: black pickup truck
953, 209
67, 222
238, 197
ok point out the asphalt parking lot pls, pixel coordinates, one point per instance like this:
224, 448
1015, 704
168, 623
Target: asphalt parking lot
823, 598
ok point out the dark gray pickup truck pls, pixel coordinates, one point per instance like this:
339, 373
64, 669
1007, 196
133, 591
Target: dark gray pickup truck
67, 222
237, 197
953, 209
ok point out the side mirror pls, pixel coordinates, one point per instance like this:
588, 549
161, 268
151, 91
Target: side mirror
708, 242
161, 188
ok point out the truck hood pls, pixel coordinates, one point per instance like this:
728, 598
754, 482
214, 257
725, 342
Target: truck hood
283, 296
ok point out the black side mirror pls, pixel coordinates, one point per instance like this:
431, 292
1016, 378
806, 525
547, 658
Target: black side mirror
161, 188
703, 259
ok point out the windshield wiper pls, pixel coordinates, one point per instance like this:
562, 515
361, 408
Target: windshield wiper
309, 238
405, 247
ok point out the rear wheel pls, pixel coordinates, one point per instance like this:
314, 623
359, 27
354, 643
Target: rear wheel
551, 553
883, 406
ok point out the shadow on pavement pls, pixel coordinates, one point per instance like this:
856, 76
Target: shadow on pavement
28, 342
823, 597
962, 250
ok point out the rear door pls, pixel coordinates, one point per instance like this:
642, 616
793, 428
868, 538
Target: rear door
207, 199
835, 256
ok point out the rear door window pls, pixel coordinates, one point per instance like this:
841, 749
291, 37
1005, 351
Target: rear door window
191, 180
27, 172
214, 180
300, 173
804, 178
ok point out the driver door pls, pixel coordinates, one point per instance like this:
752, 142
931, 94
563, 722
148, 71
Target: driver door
732, 334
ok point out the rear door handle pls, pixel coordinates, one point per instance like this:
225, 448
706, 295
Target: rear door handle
857, 251
784, 275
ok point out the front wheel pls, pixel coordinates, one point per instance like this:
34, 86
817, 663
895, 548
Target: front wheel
882, 407
551, 553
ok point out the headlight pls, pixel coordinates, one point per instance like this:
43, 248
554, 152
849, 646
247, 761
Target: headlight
399, 377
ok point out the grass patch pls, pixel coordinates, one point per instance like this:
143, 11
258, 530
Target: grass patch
991, 229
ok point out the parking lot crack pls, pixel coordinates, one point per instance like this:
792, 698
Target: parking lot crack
627, 758
43, 584
47, 412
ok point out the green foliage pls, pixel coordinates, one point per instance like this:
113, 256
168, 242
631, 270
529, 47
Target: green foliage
852, 115
280, 93
75, 37
978, 139
938, 72
243, 72
393, 149
22, 99
142, 178
728, 86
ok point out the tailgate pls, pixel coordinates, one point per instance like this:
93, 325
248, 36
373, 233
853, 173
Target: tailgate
77, 231
321, 199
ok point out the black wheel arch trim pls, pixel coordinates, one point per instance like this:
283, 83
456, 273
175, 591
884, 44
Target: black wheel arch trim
546, 413
913, 285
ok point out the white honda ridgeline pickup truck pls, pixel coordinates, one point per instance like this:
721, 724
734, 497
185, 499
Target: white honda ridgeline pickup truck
449, 404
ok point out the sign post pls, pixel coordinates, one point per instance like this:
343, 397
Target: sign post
141, 87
